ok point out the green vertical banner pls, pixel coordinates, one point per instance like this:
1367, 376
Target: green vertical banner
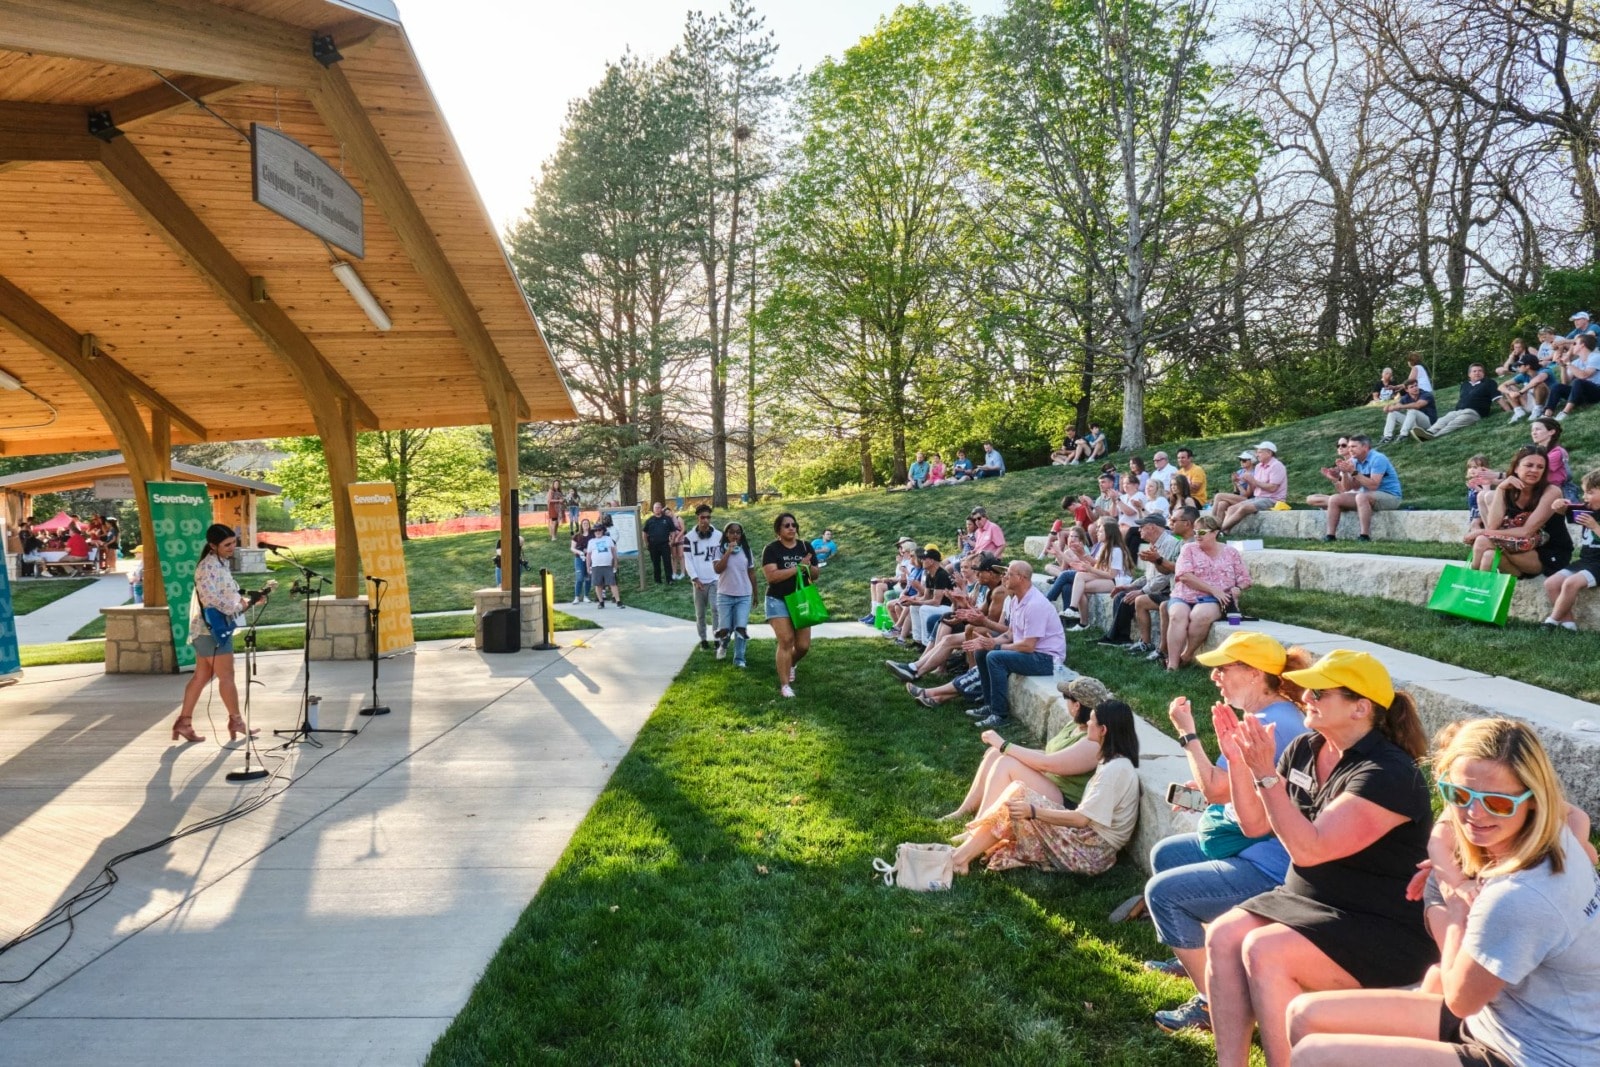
10, 657
180, 513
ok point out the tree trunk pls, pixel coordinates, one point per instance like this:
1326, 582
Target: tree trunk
869, 477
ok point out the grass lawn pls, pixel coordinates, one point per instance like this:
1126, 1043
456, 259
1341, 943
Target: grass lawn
1423, 549
31, 594
718, 904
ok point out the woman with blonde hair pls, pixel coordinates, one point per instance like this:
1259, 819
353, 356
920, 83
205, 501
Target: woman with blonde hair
1104, 572
1350, 806
1518, 981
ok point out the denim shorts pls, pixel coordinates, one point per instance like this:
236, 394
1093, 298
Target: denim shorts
206, 645
776, 609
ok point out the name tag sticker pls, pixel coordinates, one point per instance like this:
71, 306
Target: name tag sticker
1303, 780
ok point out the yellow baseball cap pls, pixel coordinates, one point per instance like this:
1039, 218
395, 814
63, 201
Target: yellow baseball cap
931, 546
1358, 672
1250, 648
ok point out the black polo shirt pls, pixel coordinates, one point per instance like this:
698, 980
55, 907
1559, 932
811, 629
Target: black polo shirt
1373, 880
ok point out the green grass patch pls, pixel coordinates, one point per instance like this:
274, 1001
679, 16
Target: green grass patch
31, 594
63, 652
718, 903
1415, 549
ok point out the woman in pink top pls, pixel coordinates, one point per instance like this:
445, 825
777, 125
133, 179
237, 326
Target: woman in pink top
1208, 580
1546, 433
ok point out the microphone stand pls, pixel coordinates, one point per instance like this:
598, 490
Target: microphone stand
249, 774
372, 644
308, 586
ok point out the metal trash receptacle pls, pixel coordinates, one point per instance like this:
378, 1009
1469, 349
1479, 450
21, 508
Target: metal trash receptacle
502, 630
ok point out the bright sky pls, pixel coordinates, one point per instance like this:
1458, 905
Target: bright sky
505, 70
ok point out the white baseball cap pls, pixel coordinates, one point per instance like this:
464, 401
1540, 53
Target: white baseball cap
1580, 315
1269, 446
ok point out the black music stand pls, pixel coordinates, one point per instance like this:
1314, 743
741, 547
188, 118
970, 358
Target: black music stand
309, 587
376, 605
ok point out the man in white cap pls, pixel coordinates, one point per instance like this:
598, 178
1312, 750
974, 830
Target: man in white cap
1269, 484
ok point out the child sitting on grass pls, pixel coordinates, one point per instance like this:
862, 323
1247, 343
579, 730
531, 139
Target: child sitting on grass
1583, 573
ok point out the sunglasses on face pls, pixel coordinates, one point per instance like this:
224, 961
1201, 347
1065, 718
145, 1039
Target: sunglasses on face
1500, 805
1318, 694
789, 526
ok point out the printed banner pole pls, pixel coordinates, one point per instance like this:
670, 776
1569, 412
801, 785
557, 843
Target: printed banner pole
179, 515
383, 556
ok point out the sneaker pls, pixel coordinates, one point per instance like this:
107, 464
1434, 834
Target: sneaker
739, 663
901, 671
785, 691
620, 604
722, 650
1138, 647
867, 620
980, 712
1069, 614
1173, 967
1076, 628
1385, 439
993, 722
1153, 655
1561, 416
1419, 435
1193, 1015
1329, 537
1363, 537
1550, 621
577, 600
602, 605
1570, 625
705, 646
1518, 415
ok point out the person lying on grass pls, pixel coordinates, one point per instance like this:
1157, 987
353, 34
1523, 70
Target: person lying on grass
1514, 518
1518, 981
1023, 827
1060, 771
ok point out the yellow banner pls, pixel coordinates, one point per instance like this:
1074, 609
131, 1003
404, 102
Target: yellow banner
383, 556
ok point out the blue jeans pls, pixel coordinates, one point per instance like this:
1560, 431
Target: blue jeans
995, 668
1189, 890
930, 621
1062, 588
733, 615
581, 586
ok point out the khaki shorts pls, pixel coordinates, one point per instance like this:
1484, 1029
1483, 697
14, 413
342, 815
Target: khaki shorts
1381, 501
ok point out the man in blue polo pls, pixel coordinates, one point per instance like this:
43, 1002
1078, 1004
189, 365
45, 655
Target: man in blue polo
1368, 482
994, 465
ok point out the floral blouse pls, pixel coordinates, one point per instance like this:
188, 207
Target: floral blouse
214, 587
1222, 572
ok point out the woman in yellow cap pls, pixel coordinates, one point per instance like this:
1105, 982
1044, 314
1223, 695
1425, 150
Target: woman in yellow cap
1197, 877
1351, 807
1519, 981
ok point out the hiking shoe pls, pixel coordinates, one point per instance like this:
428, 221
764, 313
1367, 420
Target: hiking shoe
1193, 1015
1419, 434
993, 722
980, 712
901, 671
1172, 968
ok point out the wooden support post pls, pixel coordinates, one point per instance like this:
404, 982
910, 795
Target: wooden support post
341, 455
504, 429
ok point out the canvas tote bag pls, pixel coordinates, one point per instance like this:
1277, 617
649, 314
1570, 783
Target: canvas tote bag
920, 868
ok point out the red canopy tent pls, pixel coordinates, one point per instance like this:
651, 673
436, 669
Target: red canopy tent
60, 522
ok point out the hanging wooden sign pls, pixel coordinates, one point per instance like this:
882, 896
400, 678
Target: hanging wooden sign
295, 182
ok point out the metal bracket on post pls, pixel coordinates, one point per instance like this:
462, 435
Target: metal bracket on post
101, 126
323, 50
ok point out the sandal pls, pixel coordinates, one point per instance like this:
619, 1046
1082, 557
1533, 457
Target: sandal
184, 728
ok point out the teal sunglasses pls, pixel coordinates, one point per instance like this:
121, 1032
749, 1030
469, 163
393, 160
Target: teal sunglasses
1500, 805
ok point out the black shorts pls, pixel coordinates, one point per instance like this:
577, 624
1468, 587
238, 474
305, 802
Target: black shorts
1471, 1053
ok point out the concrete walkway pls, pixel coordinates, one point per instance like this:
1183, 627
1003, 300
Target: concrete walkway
60, 619
347, 920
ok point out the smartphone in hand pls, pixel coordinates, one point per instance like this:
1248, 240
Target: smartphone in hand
1186, 797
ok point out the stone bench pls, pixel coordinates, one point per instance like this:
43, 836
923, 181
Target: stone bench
1409, 579
1309, 524
1445, 693
1037, 704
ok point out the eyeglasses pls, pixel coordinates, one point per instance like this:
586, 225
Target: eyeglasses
1500, 805
788, 526
1318, 694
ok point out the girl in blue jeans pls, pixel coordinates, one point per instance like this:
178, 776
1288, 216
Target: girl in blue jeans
582, 586
1198, 877
736, 573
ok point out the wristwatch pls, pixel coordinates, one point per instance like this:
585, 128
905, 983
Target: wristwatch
1186, 738
1268, 782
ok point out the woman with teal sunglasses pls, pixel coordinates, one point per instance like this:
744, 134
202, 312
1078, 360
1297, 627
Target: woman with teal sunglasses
1517, 919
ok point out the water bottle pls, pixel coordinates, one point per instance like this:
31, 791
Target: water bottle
313, 704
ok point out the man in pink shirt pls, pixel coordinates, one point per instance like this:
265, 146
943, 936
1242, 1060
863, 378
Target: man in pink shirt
1035, 645
1269, 485
989, 537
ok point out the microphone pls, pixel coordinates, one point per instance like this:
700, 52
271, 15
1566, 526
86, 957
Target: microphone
377, 581
271, 547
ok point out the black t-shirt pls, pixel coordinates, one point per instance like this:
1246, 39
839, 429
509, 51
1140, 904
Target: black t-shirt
1478, 396
658, 529
939, 582
784, 558
1373, 880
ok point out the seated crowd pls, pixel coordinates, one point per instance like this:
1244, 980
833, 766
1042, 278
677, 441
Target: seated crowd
77, 547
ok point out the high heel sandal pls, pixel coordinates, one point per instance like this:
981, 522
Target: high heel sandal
184, 728
236, 728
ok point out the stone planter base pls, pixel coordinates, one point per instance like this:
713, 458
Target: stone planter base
339, 629
532, 613
139, 640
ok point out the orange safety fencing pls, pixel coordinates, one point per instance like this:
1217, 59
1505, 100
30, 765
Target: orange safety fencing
465, 524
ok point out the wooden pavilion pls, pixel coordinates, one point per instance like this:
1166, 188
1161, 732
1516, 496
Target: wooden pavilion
147, 299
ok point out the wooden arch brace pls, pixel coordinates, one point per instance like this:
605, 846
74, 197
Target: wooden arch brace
34, 323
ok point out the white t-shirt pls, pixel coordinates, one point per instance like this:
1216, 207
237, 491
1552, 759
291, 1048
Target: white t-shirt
700, 555
1539, 932
1424, 382
1164, 475
1111, 801
602, 551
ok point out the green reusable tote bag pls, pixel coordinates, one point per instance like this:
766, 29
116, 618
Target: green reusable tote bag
1482, 596
805, 603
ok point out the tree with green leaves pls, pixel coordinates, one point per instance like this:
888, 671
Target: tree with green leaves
868, 231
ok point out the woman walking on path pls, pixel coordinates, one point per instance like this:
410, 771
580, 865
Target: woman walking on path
214, 589
781, 561
736, 586
554, 501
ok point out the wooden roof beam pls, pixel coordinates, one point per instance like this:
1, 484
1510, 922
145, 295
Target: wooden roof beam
336, 101
161, 99
174, 35
160, 206
31, 133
